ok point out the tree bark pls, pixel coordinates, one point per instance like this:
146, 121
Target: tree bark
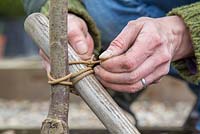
92, 92
57, 119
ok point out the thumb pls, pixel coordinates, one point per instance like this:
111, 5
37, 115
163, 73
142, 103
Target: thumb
78, 41
123, 41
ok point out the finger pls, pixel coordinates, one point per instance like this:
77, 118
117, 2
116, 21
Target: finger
120, 64
161, 71
127, 78
157, 74
123, 41
119, 87
45, 61
43, 55
116, 78
77, 40
144, 46
90, 44
147, 67
46, 65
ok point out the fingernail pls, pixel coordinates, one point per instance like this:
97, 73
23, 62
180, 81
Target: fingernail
82, 48
106, 54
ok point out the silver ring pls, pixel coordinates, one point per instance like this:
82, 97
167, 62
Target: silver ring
144, 83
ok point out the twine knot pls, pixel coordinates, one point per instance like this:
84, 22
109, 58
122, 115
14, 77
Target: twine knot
73, 78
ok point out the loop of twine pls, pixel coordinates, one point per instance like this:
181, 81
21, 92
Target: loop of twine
73, 78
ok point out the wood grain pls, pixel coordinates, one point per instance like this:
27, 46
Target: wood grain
92, 92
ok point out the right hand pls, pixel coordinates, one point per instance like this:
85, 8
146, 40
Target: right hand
78, 37
144, 50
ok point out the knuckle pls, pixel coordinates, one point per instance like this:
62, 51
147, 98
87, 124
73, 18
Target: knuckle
128, 64
134, 88
144, 19
134, 23
164, 40
157, 39
73, 33
105, 77
74, 20
118, 43
131, 23
165, 57
133, 77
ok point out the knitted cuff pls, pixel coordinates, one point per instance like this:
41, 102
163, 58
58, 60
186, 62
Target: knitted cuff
191, 16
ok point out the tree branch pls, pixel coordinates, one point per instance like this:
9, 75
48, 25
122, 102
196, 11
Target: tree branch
56, 122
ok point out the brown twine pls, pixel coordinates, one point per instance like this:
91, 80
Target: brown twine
73, 78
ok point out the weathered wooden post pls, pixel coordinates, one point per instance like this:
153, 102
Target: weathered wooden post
91, 91
57, 119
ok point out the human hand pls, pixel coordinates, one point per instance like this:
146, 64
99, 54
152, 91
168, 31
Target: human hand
78, 37
144, 49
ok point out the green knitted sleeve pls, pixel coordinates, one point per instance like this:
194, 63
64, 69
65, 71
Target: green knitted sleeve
191, 16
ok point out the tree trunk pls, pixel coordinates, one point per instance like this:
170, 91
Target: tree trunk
57, 120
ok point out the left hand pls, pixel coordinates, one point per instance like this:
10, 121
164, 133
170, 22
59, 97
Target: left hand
78, 37
144, 49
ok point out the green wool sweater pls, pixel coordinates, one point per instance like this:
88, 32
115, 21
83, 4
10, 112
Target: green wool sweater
190, 14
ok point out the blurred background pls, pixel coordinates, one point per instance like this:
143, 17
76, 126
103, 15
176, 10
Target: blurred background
168, 107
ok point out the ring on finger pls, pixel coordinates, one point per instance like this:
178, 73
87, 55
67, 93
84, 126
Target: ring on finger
143, 81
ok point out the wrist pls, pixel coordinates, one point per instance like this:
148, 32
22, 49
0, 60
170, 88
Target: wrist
181, 39
178, 37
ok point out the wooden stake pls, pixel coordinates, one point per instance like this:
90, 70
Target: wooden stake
92, 92
57, 120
